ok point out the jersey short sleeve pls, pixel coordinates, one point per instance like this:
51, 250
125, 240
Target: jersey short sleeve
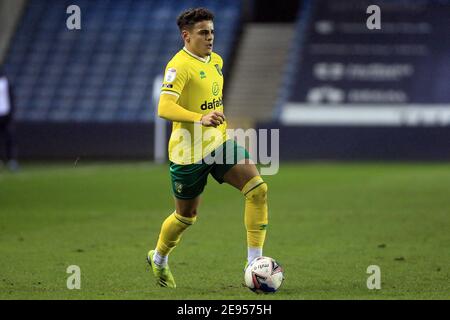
175, 78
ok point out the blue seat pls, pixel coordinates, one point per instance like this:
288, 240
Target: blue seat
105, 71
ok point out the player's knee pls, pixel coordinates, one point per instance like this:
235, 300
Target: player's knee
188, 213
259, 194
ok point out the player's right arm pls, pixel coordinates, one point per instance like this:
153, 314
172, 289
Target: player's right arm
169, 109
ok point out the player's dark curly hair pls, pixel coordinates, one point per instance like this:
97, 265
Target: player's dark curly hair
189, 17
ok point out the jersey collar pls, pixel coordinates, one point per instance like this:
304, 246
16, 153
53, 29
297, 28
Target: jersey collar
204, 60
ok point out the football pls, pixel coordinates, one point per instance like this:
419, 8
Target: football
264, 275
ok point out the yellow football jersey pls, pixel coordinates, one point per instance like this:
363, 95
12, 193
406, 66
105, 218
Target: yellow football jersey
198, 84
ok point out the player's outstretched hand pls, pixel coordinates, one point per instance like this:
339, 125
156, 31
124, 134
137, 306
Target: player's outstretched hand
213, 119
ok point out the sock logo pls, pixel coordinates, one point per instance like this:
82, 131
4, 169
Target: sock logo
263, 227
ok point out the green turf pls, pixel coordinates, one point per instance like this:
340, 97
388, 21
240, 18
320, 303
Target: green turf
328, 223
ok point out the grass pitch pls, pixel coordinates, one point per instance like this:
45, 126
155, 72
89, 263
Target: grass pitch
328, 223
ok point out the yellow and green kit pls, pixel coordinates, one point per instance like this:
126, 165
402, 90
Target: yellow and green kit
198, 84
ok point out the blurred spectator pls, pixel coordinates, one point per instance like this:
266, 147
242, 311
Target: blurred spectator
7, 129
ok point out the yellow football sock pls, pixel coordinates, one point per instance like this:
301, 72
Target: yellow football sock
256, 212
171, 231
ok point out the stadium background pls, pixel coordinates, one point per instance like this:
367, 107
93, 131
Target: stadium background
334, 88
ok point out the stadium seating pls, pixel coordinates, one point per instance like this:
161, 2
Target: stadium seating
105, 71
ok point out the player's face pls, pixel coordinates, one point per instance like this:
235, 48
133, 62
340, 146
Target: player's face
200, 38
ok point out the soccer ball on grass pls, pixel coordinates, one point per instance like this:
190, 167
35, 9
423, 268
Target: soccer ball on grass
264, 275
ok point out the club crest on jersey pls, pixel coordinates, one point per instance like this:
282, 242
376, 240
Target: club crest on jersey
202, 75
218, 69
171, 74
215, 88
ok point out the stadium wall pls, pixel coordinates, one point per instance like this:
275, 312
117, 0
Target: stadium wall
377, 143
135, 141
91, 141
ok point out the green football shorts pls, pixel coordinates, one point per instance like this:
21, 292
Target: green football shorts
188, 181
